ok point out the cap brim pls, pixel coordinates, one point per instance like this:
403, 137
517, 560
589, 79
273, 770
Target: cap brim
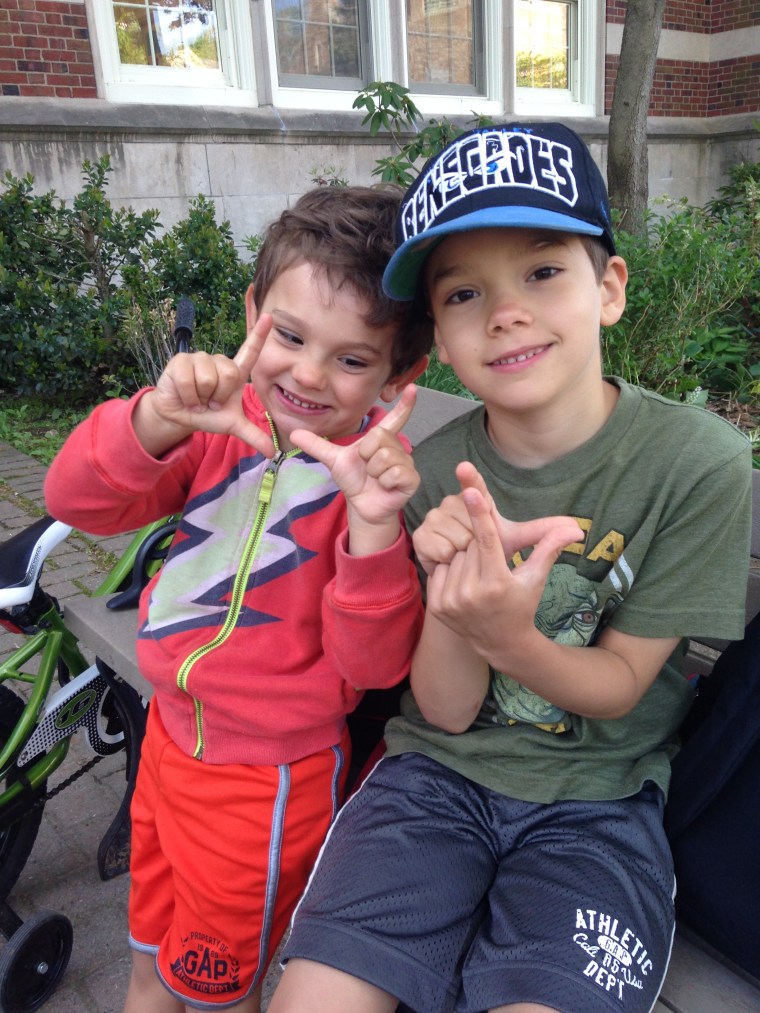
401, 276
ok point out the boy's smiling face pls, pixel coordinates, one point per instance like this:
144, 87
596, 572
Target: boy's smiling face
321, 367
517, 315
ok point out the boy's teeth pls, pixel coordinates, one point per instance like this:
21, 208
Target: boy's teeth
515, 358
298, 401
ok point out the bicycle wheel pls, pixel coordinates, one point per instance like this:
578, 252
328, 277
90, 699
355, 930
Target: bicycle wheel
17, 840
33, 962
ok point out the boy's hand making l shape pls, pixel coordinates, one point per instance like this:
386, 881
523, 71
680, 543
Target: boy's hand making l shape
376, 475
199, 391
465, 546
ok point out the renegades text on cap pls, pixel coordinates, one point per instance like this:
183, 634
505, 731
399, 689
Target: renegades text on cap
529, 175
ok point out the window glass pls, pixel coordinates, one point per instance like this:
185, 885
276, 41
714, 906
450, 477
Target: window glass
319, 38
542, 44
441, 43
178, 34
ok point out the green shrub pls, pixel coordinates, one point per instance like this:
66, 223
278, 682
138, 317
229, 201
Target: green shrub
692, 319
61, 301
197, 258
86, 291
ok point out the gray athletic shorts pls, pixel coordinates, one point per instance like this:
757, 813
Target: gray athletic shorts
450, 896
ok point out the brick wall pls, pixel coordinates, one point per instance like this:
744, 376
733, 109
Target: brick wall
45, 49
697, 15
691, 87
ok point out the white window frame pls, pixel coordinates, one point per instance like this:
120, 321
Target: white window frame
234, 85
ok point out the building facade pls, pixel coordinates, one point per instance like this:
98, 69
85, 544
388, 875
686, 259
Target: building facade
245, 101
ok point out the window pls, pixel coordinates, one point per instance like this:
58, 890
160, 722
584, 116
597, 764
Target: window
183, 36
555, 56
458, 57
320, 42
187, 51
443, 47
542, 33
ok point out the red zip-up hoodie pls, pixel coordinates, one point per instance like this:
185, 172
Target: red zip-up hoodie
260, 633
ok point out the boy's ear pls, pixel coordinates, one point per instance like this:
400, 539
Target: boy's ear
613, 291
443, 355
396, 384
251, 313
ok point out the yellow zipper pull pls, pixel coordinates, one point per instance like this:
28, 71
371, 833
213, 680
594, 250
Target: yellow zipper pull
269, 476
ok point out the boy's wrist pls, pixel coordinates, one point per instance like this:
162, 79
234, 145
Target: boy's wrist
367, 537
155, 433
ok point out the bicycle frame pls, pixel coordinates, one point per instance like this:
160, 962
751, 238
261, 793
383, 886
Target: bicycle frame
44, 729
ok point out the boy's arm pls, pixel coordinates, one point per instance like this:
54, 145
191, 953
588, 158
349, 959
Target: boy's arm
102, 481
372, 610
129, 462
372, 615
448, 678
491, 608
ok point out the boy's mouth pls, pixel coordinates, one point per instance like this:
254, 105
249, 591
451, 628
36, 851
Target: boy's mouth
513, 360
299, 402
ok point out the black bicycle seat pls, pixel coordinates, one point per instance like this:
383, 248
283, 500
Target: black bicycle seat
22, 557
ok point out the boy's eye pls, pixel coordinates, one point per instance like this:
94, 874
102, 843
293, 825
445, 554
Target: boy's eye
288, 337
352, 363
461, 296
544, 273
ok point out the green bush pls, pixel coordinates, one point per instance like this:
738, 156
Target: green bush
692, 320
86, 291
60, 297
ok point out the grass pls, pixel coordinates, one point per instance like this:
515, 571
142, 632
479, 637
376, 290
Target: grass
36, 427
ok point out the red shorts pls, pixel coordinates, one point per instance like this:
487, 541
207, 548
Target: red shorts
220, 857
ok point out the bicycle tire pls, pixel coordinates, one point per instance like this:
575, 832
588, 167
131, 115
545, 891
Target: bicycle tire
17, 840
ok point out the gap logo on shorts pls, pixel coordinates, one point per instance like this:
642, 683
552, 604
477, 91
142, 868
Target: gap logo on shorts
206, 965
617, 958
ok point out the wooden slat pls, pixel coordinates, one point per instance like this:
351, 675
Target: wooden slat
698, 983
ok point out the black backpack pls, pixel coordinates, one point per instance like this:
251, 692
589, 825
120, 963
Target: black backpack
713, 813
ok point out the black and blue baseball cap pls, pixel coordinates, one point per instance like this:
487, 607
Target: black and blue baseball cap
528, 175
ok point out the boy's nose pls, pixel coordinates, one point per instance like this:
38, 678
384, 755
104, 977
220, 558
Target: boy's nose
506, 312
308, 373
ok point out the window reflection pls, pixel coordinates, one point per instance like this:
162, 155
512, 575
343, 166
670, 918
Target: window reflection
319, 37
542, 33
440, 41
177, 33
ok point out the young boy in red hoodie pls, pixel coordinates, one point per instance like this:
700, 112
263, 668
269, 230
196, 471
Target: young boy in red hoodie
287, 592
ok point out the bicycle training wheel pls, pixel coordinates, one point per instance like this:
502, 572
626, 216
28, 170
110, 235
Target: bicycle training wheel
33, 962
16, 840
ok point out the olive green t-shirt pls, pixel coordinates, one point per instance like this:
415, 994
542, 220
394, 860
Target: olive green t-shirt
662, 493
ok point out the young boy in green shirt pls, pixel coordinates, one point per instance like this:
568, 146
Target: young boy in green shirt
508, 852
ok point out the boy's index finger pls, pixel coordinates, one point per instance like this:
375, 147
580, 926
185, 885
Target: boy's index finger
315, 446
470, 478
247, 355
401, 412
486, 535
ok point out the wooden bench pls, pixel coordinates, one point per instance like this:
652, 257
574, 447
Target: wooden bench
699, 980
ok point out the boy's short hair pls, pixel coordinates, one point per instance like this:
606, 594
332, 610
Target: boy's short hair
347, 233
513, 175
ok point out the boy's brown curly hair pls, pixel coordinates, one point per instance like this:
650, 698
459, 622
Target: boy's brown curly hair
347, 233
